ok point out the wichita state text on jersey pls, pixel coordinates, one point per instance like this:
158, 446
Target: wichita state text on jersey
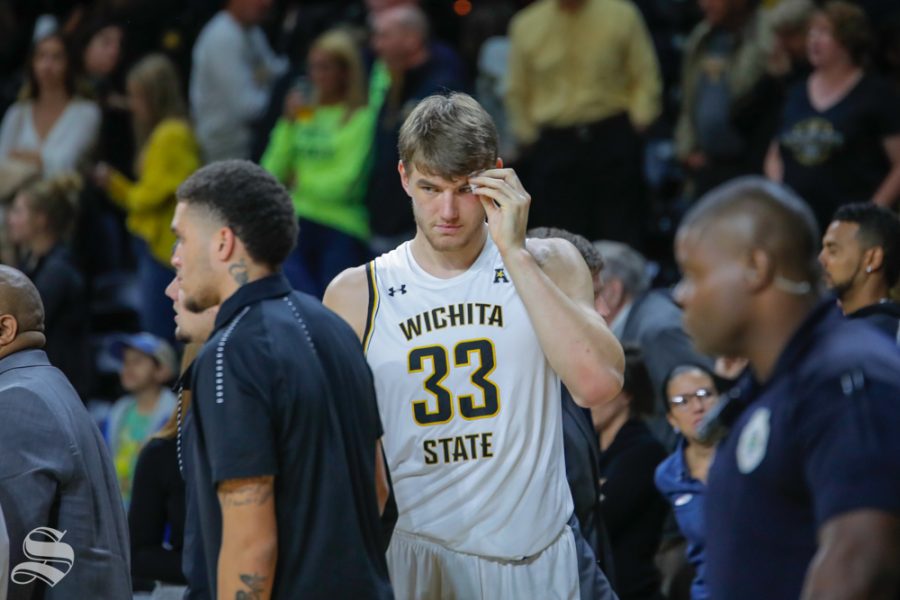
454, 315
470, 407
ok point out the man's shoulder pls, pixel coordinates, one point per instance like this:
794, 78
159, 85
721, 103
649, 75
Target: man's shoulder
553, 253
348, 296
848, 348
531, 16
220, 29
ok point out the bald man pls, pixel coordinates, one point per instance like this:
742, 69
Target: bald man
804, 493
65, 520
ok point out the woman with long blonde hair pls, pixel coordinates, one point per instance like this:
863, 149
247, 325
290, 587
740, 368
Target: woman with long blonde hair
320, 150
167, 154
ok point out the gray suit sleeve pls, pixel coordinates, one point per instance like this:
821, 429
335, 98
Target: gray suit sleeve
4, 557
37, 460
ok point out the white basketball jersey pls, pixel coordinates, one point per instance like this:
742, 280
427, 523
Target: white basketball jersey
470, 407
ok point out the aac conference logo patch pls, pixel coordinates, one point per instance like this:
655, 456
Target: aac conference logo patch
49, 558
751, 447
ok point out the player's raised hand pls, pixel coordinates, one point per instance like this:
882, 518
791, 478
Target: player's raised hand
506, 203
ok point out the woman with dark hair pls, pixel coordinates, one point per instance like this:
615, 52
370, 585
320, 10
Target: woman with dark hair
49, 129
167, 154
839, 140
633, 510
690, 392
39, 223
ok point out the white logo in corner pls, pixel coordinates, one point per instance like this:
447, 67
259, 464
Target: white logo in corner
49, 558
751, 447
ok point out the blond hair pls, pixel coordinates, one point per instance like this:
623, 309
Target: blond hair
157, 82
340, 45
791, 15
57, 199
449, 136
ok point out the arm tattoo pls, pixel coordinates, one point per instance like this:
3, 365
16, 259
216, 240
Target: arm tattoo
249, 494
256, 583
238, 271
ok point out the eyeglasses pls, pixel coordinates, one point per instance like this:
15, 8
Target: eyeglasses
682, 401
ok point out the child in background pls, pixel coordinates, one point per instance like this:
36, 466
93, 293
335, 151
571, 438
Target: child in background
148, 364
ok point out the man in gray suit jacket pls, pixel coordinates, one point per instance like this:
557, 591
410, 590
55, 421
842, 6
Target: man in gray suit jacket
4, 557
68, 537
649, 320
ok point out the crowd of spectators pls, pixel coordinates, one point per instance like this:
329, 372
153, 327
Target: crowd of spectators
617, 114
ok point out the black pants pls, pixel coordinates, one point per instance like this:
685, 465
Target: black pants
588, 179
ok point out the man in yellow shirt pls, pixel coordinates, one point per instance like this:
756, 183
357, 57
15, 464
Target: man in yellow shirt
583, 83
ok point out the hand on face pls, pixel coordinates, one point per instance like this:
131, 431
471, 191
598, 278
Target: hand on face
506, 203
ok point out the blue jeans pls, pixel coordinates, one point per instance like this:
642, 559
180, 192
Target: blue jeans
320, 255
156, 312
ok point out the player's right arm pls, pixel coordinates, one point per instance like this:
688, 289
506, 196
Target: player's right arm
858, 556
348, 296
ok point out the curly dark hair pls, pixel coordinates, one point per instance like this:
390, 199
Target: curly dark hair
589, 253
250, 201
878, 226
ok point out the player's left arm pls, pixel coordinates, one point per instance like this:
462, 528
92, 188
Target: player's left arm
249, 538
857, 558
555, 285
846, 433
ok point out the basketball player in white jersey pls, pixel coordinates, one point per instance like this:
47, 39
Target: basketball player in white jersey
468, 329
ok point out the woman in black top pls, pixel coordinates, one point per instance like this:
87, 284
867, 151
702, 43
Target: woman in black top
839, 139
633, 509
39, 222
156, 514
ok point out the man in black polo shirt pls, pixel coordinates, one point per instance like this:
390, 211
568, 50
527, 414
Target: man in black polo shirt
804, 493
285, 424
861, 259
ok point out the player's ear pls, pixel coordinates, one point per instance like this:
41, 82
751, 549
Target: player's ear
499, 163
758, 270
9, 329
404, 177
224, 244
873, 259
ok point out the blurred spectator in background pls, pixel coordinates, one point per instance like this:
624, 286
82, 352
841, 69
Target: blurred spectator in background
232, 76
649, 320
50, 128
320, 150
101, 59
409, 68
690, 392
102, 242
839, 138
168, 154
724, 59
632, 507
583, 81
484, 31
147, 364
755, 114
861, 259
789, 20
40, 221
